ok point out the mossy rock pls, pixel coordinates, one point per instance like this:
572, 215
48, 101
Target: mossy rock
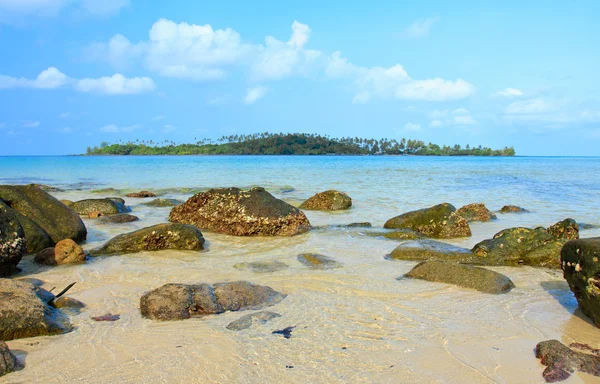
419, 250
316, 261
163, 203
331, 200
476, 212
439, 221
108, 206
400, 234
8, 361
513, 209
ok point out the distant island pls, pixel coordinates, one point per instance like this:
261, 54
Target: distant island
293, 144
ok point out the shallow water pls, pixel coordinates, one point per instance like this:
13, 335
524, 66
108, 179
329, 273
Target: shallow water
358, 323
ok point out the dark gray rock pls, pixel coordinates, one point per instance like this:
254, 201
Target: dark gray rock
8, 361
119, 218
106, 206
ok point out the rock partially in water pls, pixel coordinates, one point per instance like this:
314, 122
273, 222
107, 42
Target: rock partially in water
65, 252
247, 321
68, 303
364, 224
440, 221
25, 313
119, 218
36, 237
164, 203
57, 220
95, 214
466, 276
400, 234
47, 188
68, 203
155, 238
181, 301
331, 200
512, 209
420, 250
316, 261
562, 361
567, 229
236, 212
12, 241
103, 206
262, 266
580, 260
141, 194
476, 212
8, 361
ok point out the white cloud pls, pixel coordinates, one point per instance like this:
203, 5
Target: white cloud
48, 79
254, 94
420, 28
549, 112
447, 117
116, 85
113, 128
436, 123
510, 92
31, 124
529, 107
64, 115
361, 98
412, 127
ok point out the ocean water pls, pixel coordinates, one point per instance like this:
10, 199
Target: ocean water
358, 323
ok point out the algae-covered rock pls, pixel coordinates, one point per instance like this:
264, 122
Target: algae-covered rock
562, 361
164, 203
104, 206
12, 241
580, 260
466, 276
8, 361
512, 209
476, 212
155, 238
400, 234
232, 211
316, 261
247, 321
440, 221
331, 200
430, 250
25, 313
141, 194
119, 218
567, 229
265, 266
181, 301
48, 213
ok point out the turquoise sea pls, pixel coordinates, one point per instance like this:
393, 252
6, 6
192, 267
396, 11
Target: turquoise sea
358, 323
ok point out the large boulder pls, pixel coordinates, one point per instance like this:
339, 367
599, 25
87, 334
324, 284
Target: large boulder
181, 301
8, 361
233, 211
476, 212
440, 221
562, 361
580, 260
538, 247
37, 238
155, 238
103, 206
419, 250
331, 200
12, 241
48, 214
466, 276
65, 252
25, 313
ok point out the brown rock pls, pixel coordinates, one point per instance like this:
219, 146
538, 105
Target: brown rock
95, 214
65, 252
331, 200
8, 361
141, 194
476, 212
512, 209
562, 361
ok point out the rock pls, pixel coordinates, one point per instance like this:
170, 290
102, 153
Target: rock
155, 238
440, 221
57, 220
68, 302
247, 321
65, 252
537, 247
36, 237
466, 276
95, 214
365, 224
107, 317
68, 203
118, 200
583, 226
8, 361
476, 212
513, 209
119, 218
12, 241
24, 313
401, 234
236, 212
580, 260
164, 203
181, 301
141, 194
262, 266
331, 200
316, 261
103, 206
47, 188
562, 361
430, 250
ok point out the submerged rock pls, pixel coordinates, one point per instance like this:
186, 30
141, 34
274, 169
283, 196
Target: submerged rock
8, 361
25, 313
331, 200
316, 261
562, 361
247, 321
466, 276
155, 238
48, 214
164, 203
106, 206
119, 218
236, 212
440, 221
68, 303
430, 250
12, 241
262, 266
181, 301
141, 194
512, 209
65, 252
364, 224
400, 234
580, 260
476, 212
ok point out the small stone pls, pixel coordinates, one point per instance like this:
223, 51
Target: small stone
316, 261
107, 317
68, 302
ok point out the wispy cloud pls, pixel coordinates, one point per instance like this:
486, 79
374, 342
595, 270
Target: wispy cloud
412, 127
254, 94
113, 128
420, 28
510, 92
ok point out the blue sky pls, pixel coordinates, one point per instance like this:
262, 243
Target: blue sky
74, 73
